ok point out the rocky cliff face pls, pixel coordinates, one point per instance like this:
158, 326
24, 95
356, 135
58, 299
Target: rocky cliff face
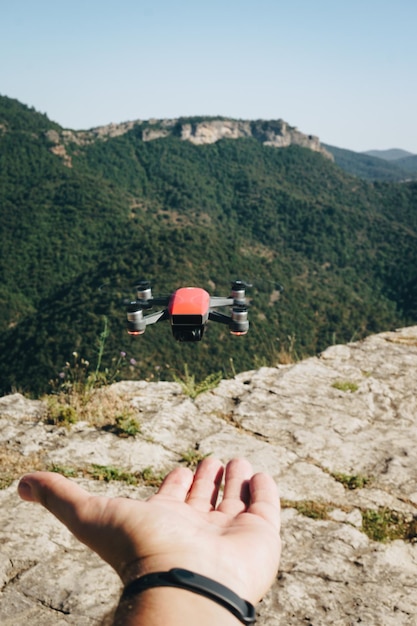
338, 433
274, 133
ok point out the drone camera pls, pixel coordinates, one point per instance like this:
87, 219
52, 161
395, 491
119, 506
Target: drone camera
239, 324
135, 321
188, 333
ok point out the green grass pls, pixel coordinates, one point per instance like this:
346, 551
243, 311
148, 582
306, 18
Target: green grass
109, 473
386, 525
192, 457
68, 472
60, 411
382, 525
192, 388
346, 386
351, 481
124, 425
151, 478
309, 508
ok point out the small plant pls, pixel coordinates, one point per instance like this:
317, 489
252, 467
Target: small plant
76, 376
346, 386
287, 354
151, 478
123, 425
13, 464
308, 508
351, 481
388, 525
126, 426
77, 393
69, 472
60, 411
109, 473
6, 479
192, 388
192, 457
232, 367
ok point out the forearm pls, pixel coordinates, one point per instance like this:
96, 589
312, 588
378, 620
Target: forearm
162, 606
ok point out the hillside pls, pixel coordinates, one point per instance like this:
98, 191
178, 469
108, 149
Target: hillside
393, 154
409, 164
373, 166
84, 215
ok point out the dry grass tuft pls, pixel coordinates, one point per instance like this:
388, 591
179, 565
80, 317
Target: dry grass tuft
14, 464
102, 408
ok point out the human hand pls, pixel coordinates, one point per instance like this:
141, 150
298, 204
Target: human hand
233, 538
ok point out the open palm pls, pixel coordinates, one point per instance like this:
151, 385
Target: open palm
231, 537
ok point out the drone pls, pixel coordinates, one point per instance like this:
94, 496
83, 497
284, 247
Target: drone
188, 311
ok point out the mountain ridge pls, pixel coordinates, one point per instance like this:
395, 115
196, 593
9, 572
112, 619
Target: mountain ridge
196, 130
391, 154
114, 129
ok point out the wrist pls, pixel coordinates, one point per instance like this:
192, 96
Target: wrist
167, 606
197, 584
214, 569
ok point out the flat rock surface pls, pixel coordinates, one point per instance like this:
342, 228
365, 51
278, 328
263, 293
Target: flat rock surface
339, 434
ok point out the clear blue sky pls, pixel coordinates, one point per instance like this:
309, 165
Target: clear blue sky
343, 70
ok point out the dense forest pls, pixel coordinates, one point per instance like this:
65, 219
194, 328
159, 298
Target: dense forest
81, 221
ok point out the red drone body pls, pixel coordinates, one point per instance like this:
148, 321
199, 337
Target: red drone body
191, 302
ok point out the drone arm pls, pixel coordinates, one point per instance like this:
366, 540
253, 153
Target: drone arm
158, 316
219, 301
215, 316
137, 322
238, 322
161, 301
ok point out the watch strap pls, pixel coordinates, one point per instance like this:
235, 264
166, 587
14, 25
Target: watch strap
185, 579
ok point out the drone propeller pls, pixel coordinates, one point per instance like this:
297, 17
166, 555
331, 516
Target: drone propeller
241, 284
143, 290
237, 295
144, 295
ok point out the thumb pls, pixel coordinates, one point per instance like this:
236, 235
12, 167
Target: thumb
96, 521
66, 500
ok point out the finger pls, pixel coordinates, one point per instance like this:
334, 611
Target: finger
176, 484
71, 504
264, 497
206, 484
99, 522
236, 496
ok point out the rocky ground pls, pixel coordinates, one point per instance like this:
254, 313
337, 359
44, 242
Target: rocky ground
339, 434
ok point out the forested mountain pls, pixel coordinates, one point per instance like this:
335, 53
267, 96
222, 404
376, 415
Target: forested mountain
83, 216
393, 154
409, 164
370, 166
